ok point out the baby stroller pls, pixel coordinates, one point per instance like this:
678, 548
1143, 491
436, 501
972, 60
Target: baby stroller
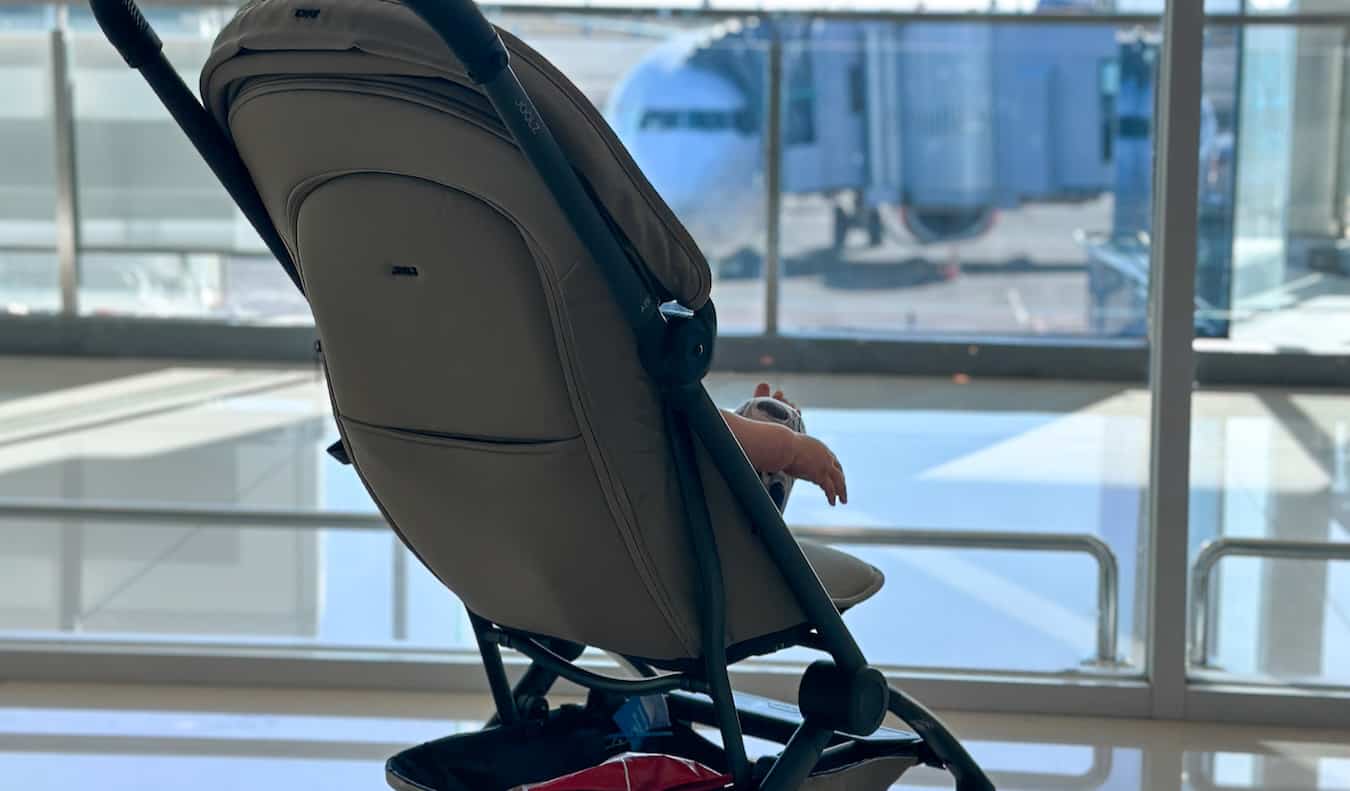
471, 236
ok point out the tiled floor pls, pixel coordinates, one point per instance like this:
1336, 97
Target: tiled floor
57, 738
1028, 457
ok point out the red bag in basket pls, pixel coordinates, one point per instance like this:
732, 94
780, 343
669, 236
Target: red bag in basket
638, 772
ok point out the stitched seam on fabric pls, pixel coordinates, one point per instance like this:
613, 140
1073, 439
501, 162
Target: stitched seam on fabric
503, 445
372, 87
370, 490
656, 587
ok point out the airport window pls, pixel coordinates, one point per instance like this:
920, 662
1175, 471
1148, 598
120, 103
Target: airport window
695, 120
984, 210
857, 89
660, 119
799, 126
1271, 190
180, 249
967, 184
1269, 465
1110, 82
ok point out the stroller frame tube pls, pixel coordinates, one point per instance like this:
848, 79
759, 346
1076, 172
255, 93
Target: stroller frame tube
502, 696
143, 51
675, 348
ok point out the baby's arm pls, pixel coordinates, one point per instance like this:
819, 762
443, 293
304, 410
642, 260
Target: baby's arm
772, 447
768, 445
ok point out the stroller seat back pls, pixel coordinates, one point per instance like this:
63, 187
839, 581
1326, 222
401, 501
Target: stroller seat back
487, 389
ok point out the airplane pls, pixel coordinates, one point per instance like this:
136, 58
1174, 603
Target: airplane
920, 130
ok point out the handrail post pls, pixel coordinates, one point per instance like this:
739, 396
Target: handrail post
67, 180
773, 183
1202, 626
1201, 623
1108, 602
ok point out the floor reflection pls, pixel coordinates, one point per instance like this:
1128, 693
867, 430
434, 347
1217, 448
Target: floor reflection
58, 737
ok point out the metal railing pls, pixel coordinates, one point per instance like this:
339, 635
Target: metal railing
155, 514
1108, 574
1202, 624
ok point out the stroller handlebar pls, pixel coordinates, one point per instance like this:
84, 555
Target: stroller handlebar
127, 29
468, 34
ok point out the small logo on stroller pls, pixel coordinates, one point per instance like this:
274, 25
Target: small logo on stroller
531, 118
405, 271
306, 13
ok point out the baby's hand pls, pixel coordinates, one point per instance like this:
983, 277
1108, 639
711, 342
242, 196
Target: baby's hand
813, 461
762, 391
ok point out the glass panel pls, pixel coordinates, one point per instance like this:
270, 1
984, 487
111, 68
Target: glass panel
963, 178
202, 437
159, 235
1274, 465
1291, 266
1269, 465
289, 588
1275, 264
1060, 7
1332, 7
946, 456
161, 238
1027, 458
687, 104
29, 280
1156, 6
972, 7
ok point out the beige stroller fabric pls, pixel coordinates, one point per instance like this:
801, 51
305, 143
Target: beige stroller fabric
486, 387
874, 774
392, 32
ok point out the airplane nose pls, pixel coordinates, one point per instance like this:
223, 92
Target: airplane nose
683, 178
708, 181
